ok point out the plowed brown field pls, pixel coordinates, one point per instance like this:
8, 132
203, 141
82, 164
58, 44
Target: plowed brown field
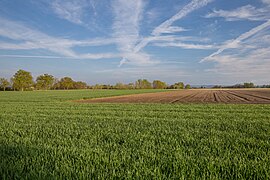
232, 96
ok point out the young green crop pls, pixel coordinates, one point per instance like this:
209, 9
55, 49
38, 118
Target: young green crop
43, 135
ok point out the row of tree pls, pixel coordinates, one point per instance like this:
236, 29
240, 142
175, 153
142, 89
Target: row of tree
244, 85
143, 84
23, 80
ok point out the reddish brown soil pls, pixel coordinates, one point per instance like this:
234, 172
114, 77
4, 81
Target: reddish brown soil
232, 96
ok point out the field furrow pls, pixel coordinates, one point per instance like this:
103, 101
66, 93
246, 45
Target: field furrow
192, 96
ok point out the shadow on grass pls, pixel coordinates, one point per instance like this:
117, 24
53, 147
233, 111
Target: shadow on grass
21, 162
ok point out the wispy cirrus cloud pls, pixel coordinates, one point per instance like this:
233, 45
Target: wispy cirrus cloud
29, 56
84, 13
126, 29
244, 65
126, 26
33, 39
72, 10
173, 29
248, 54
192, 6
235, 43
173, 41
245, 58
267, 2
128, 15
186, 45
247, 12
166, 26
82, 56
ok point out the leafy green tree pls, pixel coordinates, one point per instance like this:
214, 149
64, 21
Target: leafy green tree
143, 84
4, 83
146, 84
157, 84
44, 81
138, 84
66, 83
22, 80
106, 86
187, 86
249, 85
98, 86
179, 85
56, 84
80, 85
131, 85
120, 86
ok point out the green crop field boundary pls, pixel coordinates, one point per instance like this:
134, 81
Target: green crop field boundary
45, 136
66, 95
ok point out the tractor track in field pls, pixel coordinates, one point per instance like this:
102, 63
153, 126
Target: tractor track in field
226, 96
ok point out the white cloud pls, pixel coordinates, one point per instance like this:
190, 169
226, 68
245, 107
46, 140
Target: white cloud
166, 27
175, 41
247, 12
266, 2
186, 46
126, 27
77, 56
152, 15
173, 29
235, 43
249, 60
253, 65
192, 6
18, 46
29, 56
81, 12
139, 59
98, 56
70, 10
93, 5
34, 39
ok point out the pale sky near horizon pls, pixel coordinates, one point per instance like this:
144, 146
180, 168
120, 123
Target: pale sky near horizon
108, 41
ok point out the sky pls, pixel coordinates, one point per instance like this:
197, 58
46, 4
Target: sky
201, 42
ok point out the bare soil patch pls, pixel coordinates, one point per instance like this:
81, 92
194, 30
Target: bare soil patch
230, 96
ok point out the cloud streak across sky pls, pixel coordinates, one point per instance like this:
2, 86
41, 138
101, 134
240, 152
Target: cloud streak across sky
119, 30
166, 27
247, 12
236, 43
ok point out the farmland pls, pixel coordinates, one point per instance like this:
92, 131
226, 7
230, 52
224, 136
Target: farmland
230, 96
45, 134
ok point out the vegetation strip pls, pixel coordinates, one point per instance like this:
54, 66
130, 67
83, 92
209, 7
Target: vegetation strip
45, 136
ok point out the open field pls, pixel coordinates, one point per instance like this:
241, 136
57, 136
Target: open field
45, 135
231, 96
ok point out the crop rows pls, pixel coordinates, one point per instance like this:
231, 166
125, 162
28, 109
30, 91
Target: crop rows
238, 96
44, 135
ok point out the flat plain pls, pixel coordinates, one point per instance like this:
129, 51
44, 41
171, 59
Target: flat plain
230, 96
46, 135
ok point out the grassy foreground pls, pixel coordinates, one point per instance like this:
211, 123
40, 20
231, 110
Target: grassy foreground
45, 136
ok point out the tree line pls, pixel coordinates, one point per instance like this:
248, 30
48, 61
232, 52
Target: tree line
244, 85
23, 80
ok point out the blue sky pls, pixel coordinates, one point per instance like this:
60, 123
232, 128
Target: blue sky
109, 41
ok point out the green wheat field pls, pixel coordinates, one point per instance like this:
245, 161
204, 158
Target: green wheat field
45, 135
